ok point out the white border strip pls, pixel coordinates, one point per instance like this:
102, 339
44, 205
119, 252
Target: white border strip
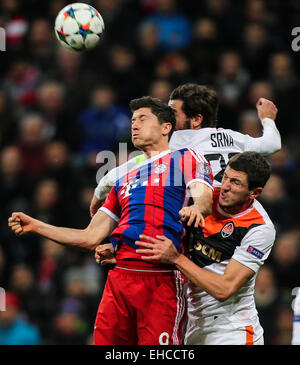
110, 213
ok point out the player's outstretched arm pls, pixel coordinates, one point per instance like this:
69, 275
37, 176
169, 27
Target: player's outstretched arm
221, 287
270, 141
96, 203
99, 228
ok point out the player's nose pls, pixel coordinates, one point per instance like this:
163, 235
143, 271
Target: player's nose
225, 185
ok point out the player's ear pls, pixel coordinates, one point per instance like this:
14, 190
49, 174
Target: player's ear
255, 193
196, 122
166, 128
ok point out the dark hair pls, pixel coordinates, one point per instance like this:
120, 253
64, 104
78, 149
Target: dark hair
198, 99
163, 112
256, 167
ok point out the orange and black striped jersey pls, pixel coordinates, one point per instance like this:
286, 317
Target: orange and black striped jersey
223, 233
246, 237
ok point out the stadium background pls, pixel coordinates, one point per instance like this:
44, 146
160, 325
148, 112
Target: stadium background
58, 109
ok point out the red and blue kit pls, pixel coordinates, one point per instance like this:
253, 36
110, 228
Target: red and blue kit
148, 200
143, 303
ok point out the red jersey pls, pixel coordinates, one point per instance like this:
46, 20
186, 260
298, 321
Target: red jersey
148, 199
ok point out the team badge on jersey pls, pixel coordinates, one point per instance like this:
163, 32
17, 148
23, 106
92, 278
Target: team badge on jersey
227, 230
160, 169
204, 168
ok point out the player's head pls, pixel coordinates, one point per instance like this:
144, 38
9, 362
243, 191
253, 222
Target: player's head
244, 179
195, 106
153, 122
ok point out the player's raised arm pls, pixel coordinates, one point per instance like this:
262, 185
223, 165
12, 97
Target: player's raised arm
270, 141
99, 228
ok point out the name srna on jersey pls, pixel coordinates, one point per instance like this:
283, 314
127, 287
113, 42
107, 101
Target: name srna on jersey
221, 139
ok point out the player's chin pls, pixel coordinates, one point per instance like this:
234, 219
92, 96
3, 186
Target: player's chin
226, 203
138, 143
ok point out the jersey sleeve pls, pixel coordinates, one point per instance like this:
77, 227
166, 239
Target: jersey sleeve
196, 168
103, 188
268, 143
255, 247
109, 180
111, 205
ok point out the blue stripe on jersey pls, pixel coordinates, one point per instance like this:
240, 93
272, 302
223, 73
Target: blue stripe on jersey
139, 196
297, 318
174, 184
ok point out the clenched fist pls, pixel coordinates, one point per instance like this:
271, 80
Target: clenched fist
21, 223
104, 254
266, 109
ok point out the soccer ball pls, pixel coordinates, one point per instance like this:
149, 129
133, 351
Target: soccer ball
79, 27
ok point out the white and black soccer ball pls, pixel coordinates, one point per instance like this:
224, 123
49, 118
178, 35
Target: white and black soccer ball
79, 27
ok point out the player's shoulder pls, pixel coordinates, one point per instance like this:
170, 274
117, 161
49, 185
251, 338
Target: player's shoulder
261, 212
258, 222
190, 152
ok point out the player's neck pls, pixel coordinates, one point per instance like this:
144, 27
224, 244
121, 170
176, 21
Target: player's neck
237, 209
153, 150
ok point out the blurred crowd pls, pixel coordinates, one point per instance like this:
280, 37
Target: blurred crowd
59, 109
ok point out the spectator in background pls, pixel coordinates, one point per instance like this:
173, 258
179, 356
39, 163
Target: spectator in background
203, 50
3, 268
69, 325
148, 46
285, 262
70, 70
54, 7
267, 300
278, 203
161, 89
78, 212
175, 68
51, 261
231, 82
256, 49
255, 90
59, 167
15, 23
39, 306
284, 164
120, 19
15, 329
125, 74
257, 11
222, 12
50, 104
31, 144
21, 82
174, 29
42, 43
284, 325
46, 202
13, 184
250, 124
84, 282
286, 86
104, 123
8, 125
58, 120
